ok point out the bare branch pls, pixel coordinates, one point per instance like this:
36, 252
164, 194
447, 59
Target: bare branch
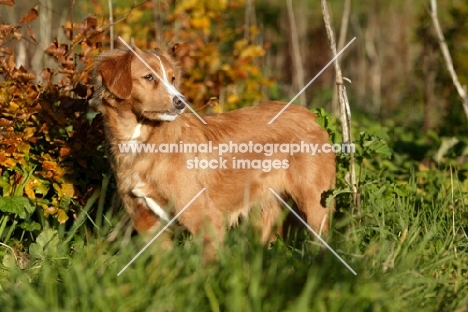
448, 59
296, 53
157, 22
341, 43
111, 22
344, 24
345, 112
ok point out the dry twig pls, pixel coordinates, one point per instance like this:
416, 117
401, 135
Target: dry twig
448, 59
296, 54
345, 112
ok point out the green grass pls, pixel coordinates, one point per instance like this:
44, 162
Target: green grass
409, 252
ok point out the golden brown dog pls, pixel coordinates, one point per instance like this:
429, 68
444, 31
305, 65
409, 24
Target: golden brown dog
139, 108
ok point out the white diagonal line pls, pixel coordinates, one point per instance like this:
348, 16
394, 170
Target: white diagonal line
168, 86
313, 232
313, 79
162, 230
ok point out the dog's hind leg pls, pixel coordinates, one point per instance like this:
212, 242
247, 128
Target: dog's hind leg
271, 223
310, 203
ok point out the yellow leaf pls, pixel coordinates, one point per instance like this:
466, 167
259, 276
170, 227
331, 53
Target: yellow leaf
68, 189
43, 205
29, 192
62, 216
252, 51
23, 147
218, 109
232, 98
29, 188
7, 162
186, 5
14, 105
219, 5
29, 132
200, 22
240, 44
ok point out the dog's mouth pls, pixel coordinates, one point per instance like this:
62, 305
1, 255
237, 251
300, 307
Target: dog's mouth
167, 115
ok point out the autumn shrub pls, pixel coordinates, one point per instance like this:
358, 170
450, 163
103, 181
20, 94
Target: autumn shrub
52, 158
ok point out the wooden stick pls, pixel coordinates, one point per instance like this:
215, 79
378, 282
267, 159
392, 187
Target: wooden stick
345, 112
296, 54
448, 59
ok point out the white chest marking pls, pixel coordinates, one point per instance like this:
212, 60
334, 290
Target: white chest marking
136, 133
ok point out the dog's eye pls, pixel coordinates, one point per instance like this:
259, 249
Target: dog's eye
173, 80
149, 77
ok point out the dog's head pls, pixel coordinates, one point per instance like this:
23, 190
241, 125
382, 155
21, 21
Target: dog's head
145, 83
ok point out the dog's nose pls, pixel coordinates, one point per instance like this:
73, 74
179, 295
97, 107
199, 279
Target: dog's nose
179, 102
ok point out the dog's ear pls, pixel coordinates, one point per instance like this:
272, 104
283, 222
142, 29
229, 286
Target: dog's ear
115, 70
172, 49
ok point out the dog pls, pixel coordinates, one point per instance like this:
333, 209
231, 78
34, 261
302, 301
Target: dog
142, 105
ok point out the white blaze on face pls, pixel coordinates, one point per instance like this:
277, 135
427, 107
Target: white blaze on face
171, 89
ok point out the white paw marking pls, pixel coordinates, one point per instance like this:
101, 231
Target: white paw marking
151, 203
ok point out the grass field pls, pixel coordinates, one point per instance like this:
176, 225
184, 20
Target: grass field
409, 254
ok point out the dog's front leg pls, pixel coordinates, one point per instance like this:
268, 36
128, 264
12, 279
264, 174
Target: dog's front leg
145, 221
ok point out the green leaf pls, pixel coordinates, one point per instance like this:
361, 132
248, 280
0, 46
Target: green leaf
33, 226
18, 205
46, 244
381, 135
5, 185
9, 262
36, 251
382, 149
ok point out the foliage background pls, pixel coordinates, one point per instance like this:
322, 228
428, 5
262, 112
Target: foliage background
58, 213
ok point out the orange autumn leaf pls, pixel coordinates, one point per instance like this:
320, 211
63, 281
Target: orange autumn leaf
50, 211
65, 151
50, 165
7, 2
7, 162
200, 22
30, 16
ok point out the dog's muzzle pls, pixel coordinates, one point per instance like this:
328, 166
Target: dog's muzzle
179, 102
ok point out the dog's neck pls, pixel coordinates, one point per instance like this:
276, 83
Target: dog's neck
121, 125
